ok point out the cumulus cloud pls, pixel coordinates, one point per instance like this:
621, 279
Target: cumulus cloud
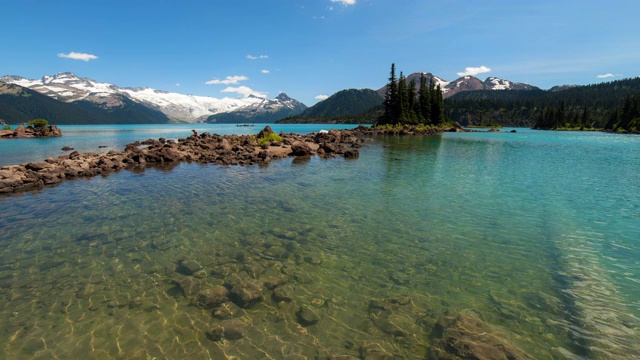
344, 2
77, 56
244, 91
228, 80
264, 71
251, 57
473, 71
607, 75
322, 97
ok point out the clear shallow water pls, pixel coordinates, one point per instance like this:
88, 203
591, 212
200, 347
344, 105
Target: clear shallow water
535, 233
102, 138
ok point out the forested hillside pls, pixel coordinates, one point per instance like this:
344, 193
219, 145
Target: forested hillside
577, 107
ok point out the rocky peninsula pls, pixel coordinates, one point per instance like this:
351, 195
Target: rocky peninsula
200, 148
22, 132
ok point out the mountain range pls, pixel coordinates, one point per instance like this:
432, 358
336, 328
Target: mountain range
69, 99
104, 98
464, 83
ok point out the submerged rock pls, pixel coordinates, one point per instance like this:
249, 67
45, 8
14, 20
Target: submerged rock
189, 286
189, 267
467, 337
232, 329
307, 316
246, 294
226, 310
212, 297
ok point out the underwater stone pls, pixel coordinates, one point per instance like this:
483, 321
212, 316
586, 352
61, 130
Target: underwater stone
468, 337
189, 286
253, 269
226, 310
232, 329
189, 267
246, 294
307, 316
283, 293
375, 351
211, 297
272, 278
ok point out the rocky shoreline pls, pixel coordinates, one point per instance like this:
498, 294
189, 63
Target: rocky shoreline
22, 132
203, 148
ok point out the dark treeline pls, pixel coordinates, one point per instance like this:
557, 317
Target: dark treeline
625, 117
580, 107
403, 105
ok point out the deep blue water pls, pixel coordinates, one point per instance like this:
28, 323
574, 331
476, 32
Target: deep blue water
536, 233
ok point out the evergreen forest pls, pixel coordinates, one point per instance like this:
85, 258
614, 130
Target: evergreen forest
402, 105
607, 106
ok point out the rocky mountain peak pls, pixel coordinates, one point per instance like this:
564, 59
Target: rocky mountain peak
283, 97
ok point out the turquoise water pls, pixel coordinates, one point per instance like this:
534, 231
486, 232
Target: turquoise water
535, 233
102, 138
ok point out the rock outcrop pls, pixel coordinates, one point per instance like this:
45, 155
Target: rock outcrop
204, 148
31, 132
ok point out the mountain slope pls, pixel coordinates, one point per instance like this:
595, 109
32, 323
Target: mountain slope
345, 102
19, 105
148, 103
465, 83
264, 111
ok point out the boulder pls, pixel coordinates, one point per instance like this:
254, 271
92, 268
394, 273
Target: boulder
189, 267
6, 133
307, 316
212, 297
467, 337
232, 329
265, 132
189, 286
226, 310
246, 294
300, 148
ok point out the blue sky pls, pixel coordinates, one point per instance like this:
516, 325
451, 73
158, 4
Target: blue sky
318, 47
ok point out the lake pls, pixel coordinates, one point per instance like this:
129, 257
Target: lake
535, 234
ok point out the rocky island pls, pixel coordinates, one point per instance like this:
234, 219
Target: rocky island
38, 128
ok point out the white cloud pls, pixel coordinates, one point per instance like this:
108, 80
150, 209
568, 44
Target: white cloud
178, 84
607, 75
228, 80
77, 56
265, 71
251, 57
473, 71
244, 91
344, 2
322, 97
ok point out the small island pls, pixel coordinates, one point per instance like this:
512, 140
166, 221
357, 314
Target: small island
37, 128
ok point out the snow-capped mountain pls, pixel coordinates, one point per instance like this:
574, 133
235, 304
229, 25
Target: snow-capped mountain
68, 87
465, 83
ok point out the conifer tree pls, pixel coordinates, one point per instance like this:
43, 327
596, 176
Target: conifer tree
391, 97
411, 92
402, 108
424, 101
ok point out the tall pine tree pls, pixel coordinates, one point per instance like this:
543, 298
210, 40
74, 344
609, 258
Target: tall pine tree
390, 98
424, 101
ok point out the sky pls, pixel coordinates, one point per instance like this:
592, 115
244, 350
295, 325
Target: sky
311, 49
